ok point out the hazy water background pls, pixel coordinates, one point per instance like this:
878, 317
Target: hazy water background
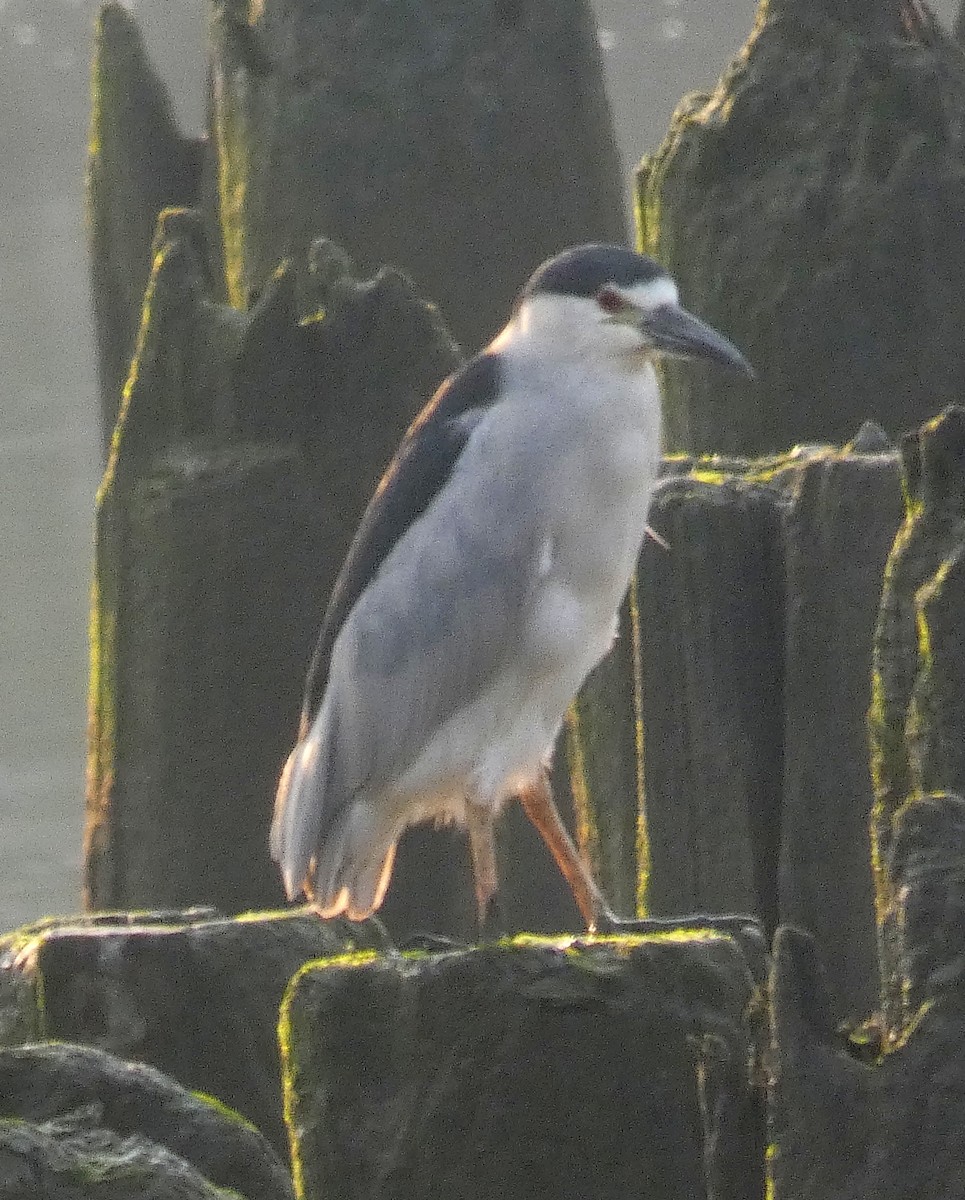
655, 51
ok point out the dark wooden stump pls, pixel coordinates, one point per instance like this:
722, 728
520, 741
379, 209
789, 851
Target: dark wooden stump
918, 713
838, 531
880, 1114
463, 143
191, 993
77, 1122
748, 655
139, 164
811, 208
711, 647
605, 1068
219, 532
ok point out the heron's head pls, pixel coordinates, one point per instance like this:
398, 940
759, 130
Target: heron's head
609, 302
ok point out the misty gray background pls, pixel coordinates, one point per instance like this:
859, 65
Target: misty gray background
654, 50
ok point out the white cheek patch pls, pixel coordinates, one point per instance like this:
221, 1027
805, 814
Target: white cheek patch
653, 294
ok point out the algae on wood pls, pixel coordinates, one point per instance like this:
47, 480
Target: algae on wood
125, 1131
811, 208
462, 143
193, 994
878, 1115
538, 1067
918, 710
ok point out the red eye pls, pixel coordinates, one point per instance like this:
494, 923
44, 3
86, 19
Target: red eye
610, 300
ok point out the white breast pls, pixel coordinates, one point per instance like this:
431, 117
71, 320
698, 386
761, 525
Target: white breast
589, 473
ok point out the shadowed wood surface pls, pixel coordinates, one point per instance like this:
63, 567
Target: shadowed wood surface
77, 1122
192, 993
918, 710
538, 1067
463, 143
749, 659
876, 1113
810, 208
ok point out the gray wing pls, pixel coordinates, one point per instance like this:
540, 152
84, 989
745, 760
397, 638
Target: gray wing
427, 636
416, 475
430, 634
432, 617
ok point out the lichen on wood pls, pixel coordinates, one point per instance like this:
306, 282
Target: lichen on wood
918, 697
138, 164
538, 1066
811, 207
172, 989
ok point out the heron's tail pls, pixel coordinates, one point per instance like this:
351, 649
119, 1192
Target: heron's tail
353, 866
340, 854
297, 820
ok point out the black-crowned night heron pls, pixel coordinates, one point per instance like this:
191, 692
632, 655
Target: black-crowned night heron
483, 585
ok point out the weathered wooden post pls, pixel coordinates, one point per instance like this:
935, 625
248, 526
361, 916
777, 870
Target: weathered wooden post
463, 143
753, 647
811, 208
139, 164
805, 207
539, 1067
190, 993
216, 547
878, 1115
711, 647
838, 529
918, 710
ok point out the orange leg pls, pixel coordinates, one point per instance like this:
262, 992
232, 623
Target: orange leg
539, 807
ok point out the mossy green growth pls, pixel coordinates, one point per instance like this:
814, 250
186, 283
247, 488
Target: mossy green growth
288, 1042
605, 738
792, 204
915, 704
108, 1173
225, 1110
474, 1048
622, 944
